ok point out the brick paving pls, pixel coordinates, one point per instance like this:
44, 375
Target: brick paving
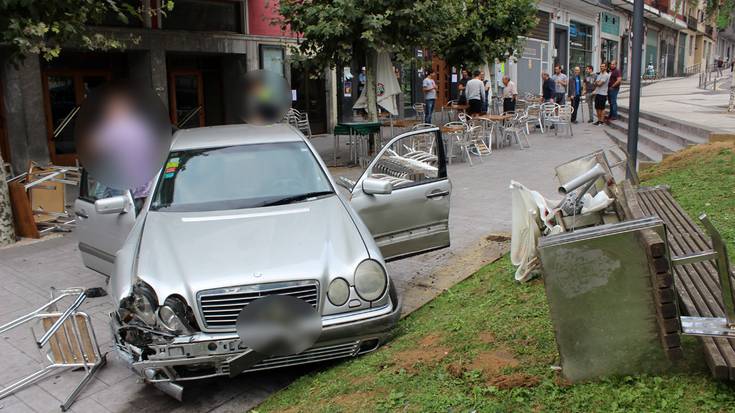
480, 206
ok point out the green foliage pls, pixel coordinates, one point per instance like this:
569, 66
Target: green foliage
489, 30
725, 14
43, 27
332, 32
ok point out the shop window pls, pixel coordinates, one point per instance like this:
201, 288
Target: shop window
201, 15
580, 44
272, 58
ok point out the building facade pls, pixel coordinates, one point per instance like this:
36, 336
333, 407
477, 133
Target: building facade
191, 58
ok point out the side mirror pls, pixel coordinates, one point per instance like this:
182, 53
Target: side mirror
114, 205
373, 186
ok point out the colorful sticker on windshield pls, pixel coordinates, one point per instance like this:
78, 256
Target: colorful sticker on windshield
169, 175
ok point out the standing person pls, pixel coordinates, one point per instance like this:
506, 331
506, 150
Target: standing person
462, 100
576, 87
720, 63
429, 86
548, 88
488, 93
474, 91
601, 83
613, 88
510, 95
560, 84
589, 90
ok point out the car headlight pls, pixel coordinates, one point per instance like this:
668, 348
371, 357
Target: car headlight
144, 303
339, 292
172, 316
370, 280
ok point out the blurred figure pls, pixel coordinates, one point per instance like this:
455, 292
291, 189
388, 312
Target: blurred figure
510, 95
429, 87
475, 90
560, 84
576, 88
488, 93
613, 88
601, 84
589, 91
462, 100
548, 88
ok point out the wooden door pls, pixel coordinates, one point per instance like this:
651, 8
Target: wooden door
64, 92
186, 98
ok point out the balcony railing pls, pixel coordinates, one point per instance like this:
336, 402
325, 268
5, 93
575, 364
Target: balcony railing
691, 23
709, 30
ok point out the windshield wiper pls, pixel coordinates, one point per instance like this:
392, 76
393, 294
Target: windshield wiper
296, 198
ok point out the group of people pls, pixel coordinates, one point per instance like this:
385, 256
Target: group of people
598, 89
475, 92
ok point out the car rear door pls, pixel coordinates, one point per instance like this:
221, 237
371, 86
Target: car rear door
414, 217
100, 235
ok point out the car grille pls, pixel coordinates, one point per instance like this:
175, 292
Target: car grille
221, 307
312, 355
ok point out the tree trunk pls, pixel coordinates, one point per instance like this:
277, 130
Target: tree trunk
7, 232
371, 56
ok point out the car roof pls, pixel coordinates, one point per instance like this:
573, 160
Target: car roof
232, 135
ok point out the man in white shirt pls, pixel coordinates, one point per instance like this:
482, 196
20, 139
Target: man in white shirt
601, 83
429, 86
510, 95
475, 91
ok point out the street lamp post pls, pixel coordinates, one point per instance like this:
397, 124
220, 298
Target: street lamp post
635, 87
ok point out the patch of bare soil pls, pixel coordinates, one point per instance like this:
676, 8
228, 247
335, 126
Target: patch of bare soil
486, 337
492, 362
354, 402
427, 352
689, 156
510, 381
498, 237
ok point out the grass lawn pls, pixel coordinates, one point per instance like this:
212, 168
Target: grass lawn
487, 343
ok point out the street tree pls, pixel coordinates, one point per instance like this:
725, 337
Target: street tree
7, 232
331, 32
43, 27
488, 30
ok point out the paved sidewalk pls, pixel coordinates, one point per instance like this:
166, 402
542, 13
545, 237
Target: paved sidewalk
481, 205
682, 100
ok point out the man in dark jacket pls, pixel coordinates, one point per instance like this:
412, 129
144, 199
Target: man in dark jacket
576, 86
548, 88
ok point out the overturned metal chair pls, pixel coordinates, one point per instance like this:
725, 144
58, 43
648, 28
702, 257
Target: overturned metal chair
67, 338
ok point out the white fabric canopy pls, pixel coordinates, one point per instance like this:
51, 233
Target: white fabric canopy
387, 85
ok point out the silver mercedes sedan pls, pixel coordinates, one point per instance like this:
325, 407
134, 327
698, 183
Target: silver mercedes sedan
244, 212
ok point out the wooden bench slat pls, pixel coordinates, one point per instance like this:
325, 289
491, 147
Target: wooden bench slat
700, 294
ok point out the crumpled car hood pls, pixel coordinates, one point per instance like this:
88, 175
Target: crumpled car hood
183, 253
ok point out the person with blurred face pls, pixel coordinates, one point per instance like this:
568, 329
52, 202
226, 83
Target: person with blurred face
613, 88
589, 91
429, 87
475, 91
601, 84
576, 87
488, 92
510, 95
560, 84
548, 88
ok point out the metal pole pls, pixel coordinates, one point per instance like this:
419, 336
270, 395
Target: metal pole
635, 88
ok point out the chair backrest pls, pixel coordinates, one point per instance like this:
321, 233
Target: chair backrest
422, 126
565, 112
463, 117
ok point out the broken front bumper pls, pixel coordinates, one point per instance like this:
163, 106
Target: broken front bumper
204, 355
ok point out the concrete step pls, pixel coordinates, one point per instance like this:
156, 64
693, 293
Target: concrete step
664, 131
646, 154
678, 127
659, 143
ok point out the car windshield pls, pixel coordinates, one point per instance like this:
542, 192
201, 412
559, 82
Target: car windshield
243, 176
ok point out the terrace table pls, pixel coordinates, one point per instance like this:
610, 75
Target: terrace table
356, 131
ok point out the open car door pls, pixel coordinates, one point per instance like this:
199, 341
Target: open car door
403, 195
104, 218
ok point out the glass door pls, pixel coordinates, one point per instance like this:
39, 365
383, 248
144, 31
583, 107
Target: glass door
186, 99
